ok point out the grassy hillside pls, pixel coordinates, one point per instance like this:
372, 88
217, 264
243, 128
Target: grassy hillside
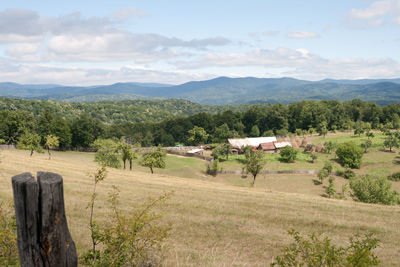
215, 222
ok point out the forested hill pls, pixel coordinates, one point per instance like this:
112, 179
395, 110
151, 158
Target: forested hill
117, 112
219, 91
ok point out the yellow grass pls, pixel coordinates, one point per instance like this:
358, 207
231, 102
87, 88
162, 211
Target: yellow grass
214, 222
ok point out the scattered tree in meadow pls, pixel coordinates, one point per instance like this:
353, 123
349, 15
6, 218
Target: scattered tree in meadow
30, 141
330, 146
107, 152
391, 141
366, 145
127, 151
224, 150
254, 162
214, 167
330, 190
322, 174
51, 142
350, 154
288, 154
154, 159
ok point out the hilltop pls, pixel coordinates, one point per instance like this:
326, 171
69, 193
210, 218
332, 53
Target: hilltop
219, 91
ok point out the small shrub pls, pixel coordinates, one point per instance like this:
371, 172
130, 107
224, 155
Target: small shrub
317, 251
328, 167
322, 174
347, 173
213, 168
8, 239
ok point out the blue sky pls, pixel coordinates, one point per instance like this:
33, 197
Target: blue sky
102, 42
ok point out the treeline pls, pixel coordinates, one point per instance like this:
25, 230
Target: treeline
118, 112
203, 127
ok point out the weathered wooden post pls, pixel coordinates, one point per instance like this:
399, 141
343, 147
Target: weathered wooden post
43, 235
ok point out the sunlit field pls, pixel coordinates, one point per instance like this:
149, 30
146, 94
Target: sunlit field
222, 221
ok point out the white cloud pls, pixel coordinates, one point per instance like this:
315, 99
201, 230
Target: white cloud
302, 35
378, 9
278, 58
124, 14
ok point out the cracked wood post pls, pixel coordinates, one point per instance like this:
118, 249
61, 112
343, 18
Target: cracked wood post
43, 235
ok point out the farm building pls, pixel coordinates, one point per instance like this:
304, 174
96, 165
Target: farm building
238, 143
281, 144
267, 147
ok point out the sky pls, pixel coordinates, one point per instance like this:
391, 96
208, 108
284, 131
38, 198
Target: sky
95, 42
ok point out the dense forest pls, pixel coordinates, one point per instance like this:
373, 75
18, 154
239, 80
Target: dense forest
171, 122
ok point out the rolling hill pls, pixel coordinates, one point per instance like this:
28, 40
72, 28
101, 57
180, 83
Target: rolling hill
218, 91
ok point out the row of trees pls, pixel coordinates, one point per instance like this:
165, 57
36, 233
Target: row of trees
304, 117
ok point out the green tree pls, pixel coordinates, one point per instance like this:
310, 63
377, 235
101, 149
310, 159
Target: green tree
254, 162
107, 152
322, 174
221, 133
391, 141
350, 154
288, 154
373, 190
154, 159
313, 251
30, 141
214, 167
322, 129
366, 145
51, 142
313, 157
255, 131
330, 146
359, 128
197, 136
330, 190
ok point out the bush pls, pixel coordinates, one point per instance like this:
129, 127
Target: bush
350, 155
213, 168
133, 238
317, 251
288, 154
346, 173
8, 239
394, 177
373, 190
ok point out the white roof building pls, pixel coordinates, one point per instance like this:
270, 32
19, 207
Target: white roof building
255, 142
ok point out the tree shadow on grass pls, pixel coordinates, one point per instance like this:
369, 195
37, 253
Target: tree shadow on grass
316, 182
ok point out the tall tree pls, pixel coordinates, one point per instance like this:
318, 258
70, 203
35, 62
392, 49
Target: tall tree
197, 136
254, 162
154, 159
30, 141
51, 141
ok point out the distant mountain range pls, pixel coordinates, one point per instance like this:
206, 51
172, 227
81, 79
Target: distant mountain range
219, 91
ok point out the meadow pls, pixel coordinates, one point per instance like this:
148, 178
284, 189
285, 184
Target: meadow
222, 221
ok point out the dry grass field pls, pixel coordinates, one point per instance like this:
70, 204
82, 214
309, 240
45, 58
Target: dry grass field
217, 221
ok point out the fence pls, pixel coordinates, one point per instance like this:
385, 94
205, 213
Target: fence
184, 154
8, 147
272, 172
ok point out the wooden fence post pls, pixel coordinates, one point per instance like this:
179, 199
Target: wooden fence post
43, 235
